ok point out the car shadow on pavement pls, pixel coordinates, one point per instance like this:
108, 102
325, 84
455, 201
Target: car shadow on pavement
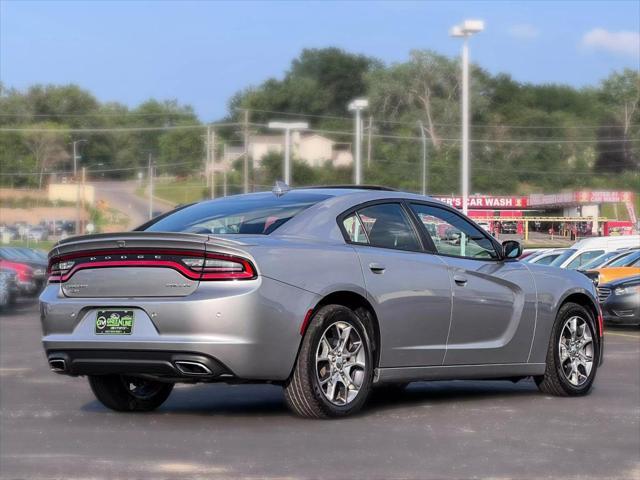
268, 400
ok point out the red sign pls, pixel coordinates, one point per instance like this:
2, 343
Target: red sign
488, 202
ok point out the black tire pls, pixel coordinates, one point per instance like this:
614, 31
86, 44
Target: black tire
554, 382
302, 390
114, 393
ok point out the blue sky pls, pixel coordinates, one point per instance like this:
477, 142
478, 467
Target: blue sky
202, 52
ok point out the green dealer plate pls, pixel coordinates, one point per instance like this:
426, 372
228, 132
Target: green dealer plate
114, 322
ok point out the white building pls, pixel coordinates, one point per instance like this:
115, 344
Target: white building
311, 148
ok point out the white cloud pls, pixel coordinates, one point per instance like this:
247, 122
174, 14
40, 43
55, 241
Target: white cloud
523, 31
620, 43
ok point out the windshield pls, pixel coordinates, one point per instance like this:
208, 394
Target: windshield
260, 213
598, 261
563, 257
625, 260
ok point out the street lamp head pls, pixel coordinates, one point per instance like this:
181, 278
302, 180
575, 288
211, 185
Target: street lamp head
473, 26
467, 28
358, 104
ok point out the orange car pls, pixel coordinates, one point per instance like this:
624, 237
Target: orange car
624, 267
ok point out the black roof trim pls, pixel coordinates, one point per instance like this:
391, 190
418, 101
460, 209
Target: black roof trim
353, 187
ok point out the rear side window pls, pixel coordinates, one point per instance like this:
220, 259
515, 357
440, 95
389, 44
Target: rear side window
259, 213
547, 260
385, 225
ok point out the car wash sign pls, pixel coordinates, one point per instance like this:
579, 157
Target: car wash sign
487, 202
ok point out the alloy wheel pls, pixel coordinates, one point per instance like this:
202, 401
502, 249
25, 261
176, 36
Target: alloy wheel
575, 349
340, 363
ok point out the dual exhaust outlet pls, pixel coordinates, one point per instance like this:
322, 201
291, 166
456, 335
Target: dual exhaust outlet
185, 367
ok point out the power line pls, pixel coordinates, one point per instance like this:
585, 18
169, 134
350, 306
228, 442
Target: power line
412, 124
114, 129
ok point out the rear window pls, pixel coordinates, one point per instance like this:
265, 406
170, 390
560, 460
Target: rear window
563, 257
625, 261
260, 214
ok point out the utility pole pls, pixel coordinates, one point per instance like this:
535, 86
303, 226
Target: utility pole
211, 150
424, 158
357, 106
83, 196
246, 151
75, 179
288, 127
150, 175
369, 141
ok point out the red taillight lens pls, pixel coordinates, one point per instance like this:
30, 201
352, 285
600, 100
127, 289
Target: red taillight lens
194, 265
220, 267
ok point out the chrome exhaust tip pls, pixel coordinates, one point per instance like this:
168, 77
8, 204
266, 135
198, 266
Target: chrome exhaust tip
58, 365
192, 368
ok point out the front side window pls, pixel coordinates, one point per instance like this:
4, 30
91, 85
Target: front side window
453, 235
384, 225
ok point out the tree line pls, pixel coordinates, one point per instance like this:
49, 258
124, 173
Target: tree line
525, 137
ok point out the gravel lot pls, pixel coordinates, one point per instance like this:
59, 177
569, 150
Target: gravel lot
51, 427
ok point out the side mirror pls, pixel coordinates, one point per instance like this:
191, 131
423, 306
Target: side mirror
511, 249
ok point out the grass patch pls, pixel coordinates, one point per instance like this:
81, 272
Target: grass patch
177, 192
42, 245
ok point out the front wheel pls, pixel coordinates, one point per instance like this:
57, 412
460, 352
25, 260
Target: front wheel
572, 356
129, 394
334, 370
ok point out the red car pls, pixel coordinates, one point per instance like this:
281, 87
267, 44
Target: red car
26, 283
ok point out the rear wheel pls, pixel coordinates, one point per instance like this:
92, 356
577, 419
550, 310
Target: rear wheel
333, 373
129, 394
572, 357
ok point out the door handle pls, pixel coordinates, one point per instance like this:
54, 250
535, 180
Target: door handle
377, 268
460, 280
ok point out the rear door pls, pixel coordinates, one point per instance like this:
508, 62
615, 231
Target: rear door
494, 301
410, 290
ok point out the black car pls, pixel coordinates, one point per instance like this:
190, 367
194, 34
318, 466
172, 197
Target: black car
620, 301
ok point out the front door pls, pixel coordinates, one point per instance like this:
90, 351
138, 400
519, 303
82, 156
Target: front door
494, 301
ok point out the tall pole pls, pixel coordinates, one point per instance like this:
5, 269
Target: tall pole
246, 151
424, 158
211, 147
150, 174
465, 124
287, 156
369, 141
358, 125
75, 179
83, 196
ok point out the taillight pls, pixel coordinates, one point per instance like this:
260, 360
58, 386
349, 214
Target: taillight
194, 265
220, 267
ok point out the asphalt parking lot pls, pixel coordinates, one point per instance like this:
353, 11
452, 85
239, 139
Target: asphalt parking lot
51, 427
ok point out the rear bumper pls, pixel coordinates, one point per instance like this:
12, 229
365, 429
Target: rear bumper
172, 365
250, 328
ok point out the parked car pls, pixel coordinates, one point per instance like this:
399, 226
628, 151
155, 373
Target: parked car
38, 266
604, 259
37, 234
24, 276
509, 228
583, 251
303, 293
545, 257
8, 287
626, 266
620, 301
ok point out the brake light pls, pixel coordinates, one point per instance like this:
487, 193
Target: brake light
195, 265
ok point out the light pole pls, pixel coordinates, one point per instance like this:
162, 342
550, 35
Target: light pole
288, 127
150, 174
75, 179
424, 158
357, 106
464, 31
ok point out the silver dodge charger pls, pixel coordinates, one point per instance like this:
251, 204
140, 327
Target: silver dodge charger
330, 292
